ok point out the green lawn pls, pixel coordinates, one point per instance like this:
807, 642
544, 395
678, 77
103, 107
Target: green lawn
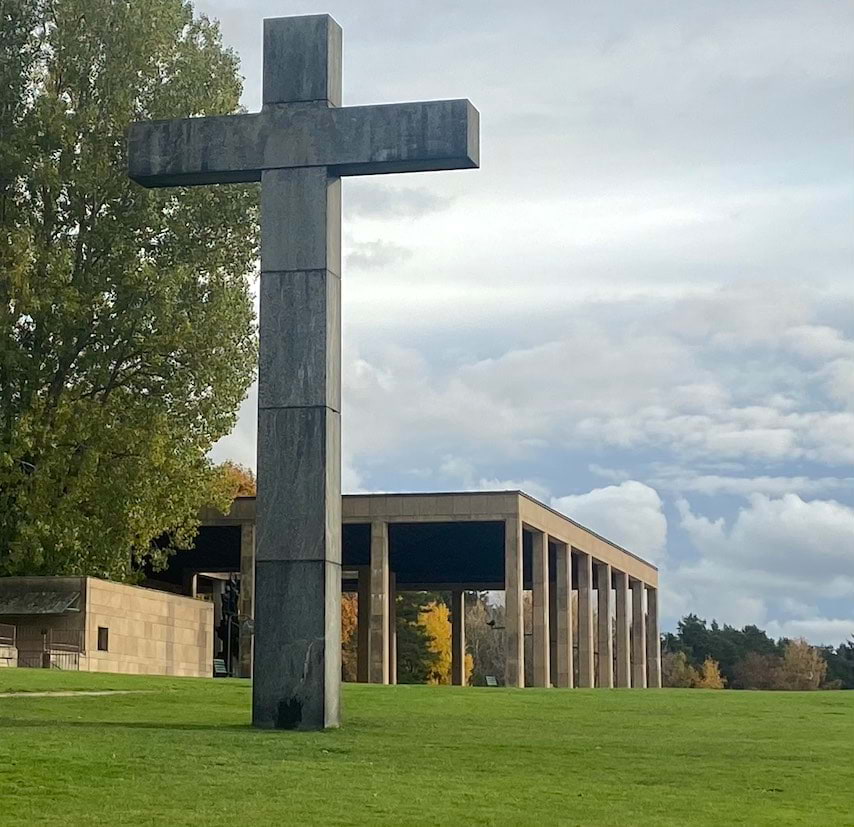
184, 754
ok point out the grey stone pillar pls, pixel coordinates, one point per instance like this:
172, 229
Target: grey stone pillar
653, 640
363, 626
540, 595
378, 646
392, 627
605, 675
190, 581
514, 671
458, 637
298, 570
246, 605
563, 617
552, 623
622, 630
638, 635
585, 621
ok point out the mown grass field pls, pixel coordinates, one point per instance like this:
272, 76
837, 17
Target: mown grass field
183, 754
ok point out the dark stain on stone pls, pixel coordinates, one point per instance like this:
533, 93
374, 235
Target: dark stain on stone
289, 713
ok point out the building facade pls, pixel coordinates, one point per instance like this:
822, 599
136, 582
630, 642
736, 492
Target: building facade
456, 542
87, 624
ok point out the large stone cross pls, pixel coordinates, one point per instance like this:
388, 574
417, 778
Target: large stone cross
298, 147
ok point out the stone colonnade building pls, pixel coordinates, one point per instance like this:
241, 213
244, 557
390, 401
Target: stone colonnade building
503, 540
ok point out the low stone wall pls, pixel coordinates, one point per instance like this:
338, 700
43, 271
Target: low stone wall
8, 656
146, 632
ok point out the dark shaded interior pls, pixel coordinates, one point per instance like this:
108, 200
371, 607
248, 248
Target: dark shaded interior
463, 554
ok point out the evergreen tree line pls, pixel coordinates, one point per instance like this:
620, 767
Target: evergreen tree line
749, 658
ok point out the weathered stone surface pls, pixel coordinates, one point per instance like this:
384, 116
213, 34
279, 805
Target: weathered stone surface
246, 606
638, 635
621, 630
514, 635
540, 609
378, 639
605, 661
391, 634
302, 60
351, 140
458, 638
563, 599
299, 485
297, 662
300, 220
363, 630
585, 621
300, 353
653, 640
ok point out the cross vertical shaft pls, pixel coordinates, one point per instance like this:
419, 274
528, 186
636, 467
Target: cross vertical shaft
298, 146
298, 621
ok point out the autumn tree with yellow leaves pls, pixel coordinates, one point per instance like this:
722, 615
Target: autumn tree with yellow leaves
436, 620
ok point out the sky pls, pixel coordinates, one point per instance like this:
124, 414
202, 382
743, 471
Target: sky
640, 310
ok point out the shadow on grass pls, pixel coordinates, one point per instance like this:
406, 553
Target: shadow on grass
24, 723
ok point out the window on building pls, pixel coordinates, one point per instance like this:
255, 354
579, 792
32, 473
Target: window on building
103, 638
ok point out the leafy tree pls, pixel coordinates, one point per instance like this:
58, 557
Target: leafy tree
349, 636
416, 662
436, 620
676, 671
485, 639
840, 665
239, 479
756, 671
710, 676
802, 668
127, 335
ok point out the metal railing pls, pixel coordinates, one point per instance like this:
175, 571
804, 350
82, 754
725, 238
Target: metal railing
50, 648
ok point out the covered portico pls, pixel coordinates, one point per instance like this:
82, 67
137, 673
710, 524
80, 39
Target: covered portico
457, 542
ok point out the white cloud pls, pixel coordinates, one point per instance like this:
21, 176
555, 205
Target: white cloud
652, 268
818, 630
375, 255
712, 484
630, 514
773, 564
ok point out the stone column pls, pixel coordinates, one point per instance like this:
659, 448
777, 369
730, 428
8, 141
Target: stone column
297, 675
540, 595
605, 676
392, 627
514, 672
563, 625
246, 605
190, 581
552, 623
363, 626
653, 640
585, 621
378, 646
458, 637
638, 635
622, 630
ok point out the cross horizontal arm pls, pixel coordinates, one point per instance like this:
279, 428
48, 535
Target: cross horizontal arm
351, 140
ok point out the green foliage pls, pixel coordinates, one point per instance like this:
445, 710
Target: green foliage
749, 659
485, 639
127, 336
416, 662
676, 672
840, 665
